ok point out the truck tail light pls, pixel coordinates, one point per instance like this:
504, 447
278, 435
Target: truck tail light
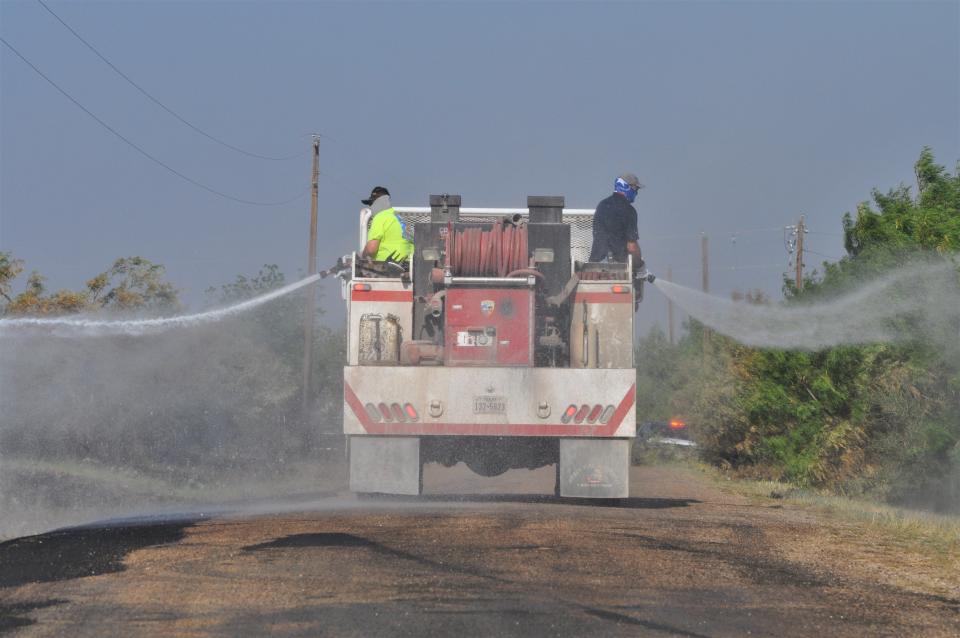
568, 414
595, 413
398, 412
411, 412
581, 413
620, 289
361, 287
373, 413
385, 412
607, 413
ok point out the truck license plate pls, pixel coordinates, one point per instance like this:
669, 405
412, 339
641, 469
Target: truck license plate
473, 339
489, 405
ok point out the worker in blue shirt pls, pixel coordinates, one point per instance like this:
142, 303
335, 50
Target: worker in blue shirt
615, 224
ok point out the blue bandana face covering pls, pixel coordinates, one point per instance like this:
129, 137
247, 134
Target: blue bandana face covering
625, 189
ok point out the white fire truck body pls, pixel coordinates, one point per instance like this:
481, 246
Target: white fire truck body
499, 346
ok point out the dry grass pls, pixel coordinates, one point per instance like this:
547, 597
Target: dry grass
940, 532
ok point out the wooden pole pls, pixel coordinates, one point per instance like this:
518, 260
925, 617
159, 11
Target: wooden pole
705, 270
800, 232
311, 304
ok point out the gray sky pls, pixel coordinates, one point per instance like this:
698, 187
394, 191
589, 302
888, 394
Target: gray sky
739, 116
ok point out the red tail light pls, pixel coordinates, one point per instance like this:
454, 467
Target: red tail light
411, 412
361, 287
677, 424
582, 413
385, 412
568, 414
620, 289
595, 413
398, 412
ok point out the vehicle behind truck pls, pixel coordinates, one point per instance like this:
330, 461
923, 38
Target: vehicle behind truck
498, 345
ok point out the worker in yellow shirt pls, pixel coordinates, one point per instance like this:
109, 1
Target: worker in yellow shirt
387, 239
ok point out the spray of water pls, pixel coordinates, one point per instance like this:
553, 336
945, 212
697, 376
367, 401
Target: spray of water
918, 301
112, 418
76, 326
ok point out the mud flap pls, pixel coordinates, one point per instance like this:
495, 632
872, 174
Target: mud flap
386, 464
595, 468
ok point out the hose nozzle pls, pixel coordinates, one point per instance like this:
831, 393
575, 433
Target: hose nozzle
643, 273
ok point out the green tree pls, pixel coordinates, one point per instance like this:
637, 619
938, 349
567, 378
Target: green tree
10, 269
881, 418
132, 283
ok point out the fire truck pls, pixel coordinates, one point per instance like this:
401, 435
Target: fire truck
498, 345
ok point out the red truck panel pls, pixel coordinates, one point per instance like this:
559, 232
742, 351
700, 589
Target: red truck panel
489, 327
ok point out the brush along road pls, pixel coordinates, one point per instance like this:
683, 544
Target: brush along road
679, 558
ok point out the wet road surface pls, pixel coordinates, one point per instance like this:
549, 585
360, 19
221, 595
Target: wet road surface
680, 558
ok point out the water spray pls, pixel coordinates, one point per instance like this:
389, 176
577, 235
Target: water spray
72, 326
917, 301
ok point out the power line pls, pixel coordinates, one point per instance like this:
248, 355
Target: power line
730, 268
139, 149
726, 232
821, 254
157, 101
754, 267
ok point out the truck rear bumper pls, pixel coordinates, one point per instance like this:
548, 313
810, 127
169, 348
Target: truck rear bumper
588, 467
487, 401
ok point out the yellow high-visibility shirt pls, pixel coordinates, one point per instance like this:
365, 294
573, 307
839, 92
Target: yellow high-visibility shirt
392, 234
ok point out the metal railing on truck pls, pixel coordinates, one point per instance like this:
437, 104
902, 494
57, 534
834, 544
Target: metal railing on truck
579, 219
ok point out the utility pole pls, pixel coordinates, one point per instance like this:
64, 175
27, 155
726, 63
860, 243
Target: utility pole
705, 269
801, 229
311, 305
670, 307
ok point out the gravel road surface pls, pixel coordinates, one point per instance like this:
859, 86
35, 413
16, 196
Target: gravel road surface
680, 558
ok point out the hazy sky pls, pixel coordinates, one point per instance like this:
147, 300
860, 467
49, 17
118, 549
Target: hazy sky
738, 116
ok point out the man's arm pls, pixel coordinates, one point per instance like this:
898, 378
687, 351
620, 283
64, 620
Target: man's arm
370, 250
376, 233
633, 237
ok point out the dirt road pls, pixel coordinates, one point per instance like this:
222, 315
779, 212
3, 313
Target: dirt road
680, 558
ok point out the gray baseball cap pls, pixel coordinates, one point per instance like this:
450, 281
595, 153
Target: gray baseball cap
631, 179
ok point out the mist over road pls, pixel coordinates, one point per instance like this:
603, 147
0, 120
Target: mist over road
680, 558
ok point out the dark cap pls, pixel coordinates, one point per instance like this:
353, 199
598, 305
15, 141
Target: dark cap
374, 194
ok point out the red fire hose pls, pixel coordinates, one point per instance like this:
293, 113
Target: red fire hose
474, 252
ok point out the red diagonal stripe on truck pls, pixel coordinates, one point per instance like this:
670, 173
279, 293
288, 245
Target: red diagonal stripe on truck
490, 429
